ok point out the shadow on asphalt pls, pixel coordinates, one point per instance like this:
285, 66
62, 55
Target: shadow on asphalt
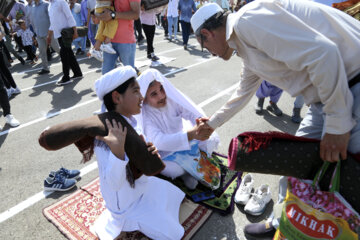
282, 123
256, 219
58, 194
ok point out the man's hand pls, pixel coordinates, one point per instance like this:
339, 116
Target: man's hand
105, 15
333, 146
115, 138
75, 35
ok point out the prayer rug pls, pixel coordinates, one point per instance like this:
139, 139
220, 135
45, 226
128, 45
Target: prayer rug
75, 214
224, 195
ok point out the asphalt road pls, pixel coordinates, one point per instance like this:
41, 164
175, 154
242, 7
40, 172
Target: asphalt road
208, 81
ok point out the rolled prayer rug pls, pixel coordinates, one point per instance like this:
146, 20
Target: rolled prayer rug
82, 133
287, 155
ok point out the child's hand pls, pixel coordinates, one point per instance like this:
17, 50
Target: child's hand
115, 139
151, 147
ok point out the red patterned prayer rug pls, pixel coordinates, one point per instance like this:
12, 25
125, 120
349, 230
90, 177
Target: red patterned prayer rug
75, 214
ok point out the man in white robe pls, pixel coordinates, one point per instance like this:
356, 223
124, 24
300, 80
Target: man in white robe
152, 205
164, 110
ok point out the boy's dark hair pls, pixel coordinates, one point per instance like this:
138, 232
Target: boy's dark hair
109, 104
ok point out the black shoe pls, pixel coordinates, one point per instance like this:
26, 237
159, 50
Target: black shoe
79, 52
259, 106
274, 109
63, 81
76, 76
260, 230
140, 40
185, 47
154, 57
296, 118
43, 71
22, 61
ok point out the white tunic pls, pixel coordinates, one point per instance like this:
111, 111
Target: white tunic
151, 207
302, 47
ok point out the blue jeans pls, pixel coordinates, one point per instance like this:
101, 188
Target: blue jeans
126, 52
312, 126
80, 42
172, 21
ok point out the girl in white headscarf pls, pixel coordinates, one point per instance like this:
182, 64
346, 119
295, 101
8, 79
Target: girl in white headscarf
162, 118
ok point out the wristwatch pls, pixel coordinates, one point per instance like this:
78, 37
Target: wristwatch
113, 15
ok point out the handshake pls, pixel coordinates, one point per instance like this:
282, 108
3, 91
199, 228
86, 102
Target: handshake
201, 131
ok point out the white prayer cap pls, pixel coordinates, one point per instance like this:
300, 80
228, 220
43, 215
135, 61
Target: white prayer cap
147, 77
204, 13
113, 79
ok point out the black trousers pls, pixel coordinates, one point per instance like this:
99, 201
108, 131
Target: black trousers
68, 60
8, 80
4, 100
149, 31
18, 42
29, 51
164, 24
138, 30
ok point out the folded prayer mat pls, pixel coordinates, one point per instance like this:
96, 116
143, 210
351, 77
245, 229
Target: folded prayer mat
82, 133
284, 154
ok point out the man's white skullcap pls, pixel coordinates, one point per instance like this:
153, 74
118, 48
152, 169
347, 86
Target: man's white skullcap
203, 14
113, 79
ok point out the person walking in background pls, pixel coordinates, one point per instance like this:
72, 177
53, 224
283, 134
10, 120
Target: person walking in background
5, 74
148, 19
40, 21
80, 42
186, 9
124, 43
27, 38
17, 13
60, 18
172, 18
7, 42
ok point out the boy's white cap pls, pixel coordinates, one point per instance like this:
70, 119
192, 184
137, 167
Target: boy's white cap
113, 79
203, 14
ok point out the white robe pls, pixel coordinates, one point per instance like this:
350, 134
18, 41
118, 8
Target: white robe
151, 207
164, 127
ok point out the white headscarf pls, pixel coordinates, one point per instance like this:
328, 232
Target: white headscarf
177, 96
113, 79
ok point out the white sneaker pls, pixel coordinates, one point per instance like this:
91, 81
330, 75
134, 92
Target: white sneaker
13, 122
96, 54
107, 47
257, 203
15, 90
243, 194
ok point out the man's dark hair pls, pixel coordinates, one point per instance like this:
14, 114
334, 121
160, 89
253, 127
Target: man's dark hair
109, 104
214, 22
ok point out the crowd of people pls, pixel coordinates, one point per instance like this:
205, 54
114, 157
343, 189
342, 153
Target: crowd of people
300, 47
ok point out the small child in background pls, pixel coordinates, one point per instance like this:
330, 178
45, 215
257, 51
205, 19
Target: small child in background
105, 32
28, 39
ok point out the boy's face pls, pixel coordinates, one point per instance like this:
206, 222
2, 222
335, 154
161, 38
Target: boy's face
155, 95
131, 100
22, 26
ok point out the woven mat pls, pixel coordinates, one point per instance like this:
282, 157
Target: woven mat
223, 203
74, 215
